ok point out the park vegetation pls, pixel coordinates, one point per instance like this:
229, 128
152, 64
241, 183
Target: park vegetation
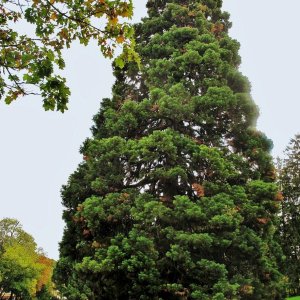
25, 271
177, 195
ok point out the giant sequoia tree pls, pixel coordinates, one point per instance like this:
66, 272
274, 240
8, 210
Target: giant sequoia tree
175, 197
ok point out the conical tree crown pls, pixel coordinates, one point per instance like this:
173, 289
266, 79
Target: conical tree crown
175, 198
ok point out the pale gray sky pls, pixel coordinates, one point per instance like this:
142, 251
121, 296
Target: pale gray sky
40, 149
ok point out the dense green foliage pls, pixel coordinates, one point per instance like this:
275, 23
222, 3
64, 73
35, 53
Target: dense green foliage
175, 197
289, 180
23, 271
28, 61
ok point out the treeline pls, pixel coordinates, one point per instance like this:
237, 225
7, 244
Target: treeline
25, 270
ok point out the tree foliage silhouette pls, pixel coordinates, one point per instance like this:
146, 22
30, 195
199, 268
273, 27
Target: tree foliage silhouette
175, 197
289, 180
23, 268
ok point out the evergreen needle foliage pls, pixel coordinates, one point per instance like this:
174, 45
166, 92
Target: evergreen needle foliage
289, 180
175, 198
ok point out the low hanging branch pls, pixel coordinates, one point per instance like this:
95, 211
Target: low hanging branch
27, 62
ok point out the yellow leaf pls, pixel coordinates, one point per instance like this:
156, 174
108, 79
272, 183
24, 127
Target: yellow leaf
114, 21
64, 33
120, 39
98, 14
53, 16
125, 14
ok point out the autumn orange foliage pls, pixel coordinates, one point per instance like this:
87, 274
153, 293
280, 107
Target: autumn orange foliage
262, 221
279, 197
199, 189
46, 274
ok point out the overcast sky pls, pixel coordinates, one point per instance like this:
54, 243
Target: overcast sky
39, 150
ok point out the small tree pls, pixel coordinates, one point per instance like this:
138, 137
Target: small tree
175, 198
289, 180
23, 270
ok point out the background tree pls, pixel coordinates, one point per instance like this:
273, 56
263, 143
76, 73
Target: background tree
11, 231
175, 198
44, 284
19, 270
289, 180
23, 269
28, 62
